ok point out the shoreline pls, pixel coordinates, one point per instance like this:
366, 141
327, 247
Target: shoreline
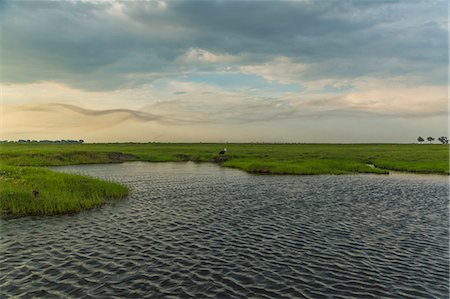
37, 191
301, 159
16, 189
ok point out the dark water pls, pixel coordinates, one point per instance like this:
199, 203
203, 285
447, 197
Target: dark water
197, 230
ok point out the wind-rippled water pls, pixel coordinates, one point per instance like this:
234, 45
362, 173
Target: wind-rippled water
198, 230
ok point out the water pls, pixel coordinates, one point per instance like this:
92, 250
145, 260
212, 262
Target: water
198, 230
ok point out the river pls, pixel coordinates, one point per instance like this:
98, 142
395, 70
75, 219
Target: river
200, 231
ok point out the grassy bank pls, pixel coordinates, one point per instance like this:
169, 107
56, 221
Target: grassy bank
257, 158
55, 193
65, 193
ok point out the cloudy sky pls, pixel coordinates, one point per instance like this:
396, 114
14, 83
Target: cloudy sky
236, 71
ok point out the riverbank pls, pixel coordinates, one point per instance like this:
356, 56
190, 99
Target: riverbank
257, 158
62, 193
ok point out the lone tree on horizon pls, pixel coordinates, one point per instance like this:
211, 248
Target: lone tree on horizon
443, 139
420, 139
430, 139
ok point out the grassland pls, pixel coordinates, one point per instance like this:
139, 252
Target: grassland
258, 158
63, 193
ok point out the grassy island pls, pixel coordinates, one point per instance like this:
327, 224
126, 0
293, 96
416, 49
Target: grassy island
37, 191
67, 193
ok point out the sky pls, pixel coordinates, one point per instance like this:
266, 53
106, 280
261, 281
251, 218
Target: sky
224, 71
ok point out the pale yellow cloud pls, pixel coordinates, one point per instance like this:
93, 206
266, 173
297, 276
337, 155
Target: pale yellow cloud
197, 55
186, 111
281, 69
397, 98
48, 92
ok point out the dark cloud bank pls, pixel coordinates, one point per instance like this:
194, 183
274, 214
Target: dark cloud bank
101, 46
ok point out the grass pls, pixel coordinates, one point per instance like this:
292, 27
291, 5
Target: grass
324, 166
64, 193
59, 193
262, 158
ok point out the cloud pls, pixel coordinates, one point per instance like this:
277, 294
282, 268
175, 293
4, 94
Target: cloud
196, 55
220, 107
106, 45
121, 114
168, 64
280, 69
181, 120
180, 102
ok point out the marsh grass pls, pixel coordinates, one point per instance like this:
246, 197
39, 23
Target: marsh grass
59, 193
67, 193
264, 158
308, 167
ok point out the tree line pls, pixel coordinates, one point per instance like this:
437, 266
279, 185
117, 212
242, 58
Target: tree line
442, 139
43, 141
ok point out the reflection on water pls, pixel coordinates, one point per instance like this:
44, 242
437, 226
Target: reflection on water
198, 230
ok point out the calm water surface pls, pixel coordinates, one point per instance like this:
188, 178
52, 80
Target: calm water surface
198, 230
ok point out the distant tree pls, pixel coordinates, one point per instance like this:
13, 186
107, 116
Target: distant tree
420, 139
430, 139
81, 141
443, 139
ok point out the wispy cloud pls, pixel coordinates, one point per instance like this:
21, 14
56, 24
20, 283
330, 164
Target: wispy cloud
121, 114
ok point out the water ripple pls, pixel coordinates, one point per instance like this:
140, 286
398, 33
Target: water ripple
200, 231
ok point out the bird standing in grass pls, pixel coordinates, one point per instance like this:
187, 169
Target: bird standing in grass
222, 152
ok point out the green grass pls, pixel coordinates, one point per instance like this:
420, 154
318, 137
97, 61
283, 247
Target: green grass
264, 158
309, 167
64, 193
59, 193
